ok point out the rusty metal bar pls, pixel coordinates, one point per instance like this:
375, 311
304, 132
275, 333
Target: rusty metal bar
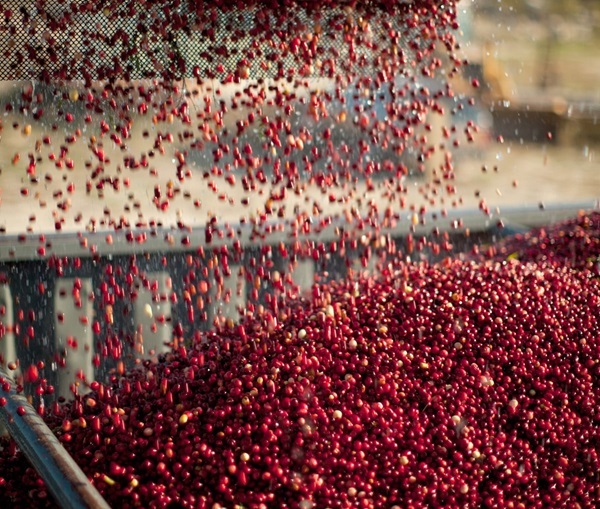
66, 481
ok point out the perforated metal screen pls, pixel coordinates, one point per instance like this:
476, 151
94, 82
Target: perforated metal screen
59, 40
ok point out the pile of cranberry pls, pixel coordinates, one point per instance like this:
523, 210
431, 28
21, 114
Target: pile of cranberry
575, 242
457, 384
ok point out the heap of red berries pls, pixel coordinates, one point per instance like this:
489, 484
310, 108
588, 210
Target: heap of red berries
457, 384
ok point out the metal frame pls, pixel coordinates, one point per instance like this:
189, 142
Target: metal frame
66, 481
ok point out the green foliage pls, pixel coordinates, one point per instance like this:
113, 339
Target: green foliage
572, 9
586, 12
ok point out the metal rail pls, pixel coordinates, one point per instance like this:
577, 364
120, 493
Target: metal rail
65, 480
130, 242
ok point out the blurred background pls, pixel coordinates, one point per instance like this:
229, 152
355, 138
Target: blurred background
538, 65
533, 70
